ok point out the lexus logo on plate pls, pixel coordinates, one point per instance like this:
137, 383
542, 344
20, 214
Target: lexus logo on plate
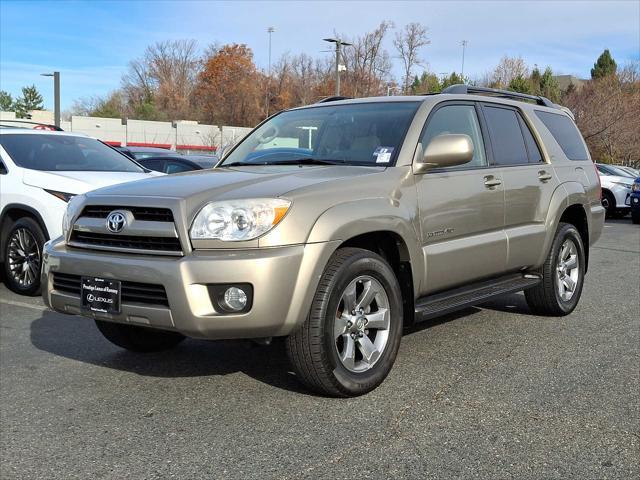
116, 221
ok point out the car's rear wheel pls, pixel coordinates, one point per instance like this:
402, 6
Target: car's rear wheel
562, 275
138, 339
22, 256
350, 340
609, 203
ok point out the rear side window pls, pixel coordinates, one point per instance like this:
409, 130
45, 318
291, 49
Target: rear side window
566, 134
532, 147
506, 137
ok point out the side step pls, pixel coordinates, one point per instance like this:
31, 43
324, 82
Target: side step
446, 302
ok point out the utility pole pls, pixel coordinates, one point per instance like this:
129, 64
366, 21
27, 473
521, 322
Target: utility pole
270, 30
464, 45
56, 96
339, 43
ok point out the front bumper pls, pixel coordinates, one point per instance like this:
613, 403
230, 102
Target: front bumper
284, 280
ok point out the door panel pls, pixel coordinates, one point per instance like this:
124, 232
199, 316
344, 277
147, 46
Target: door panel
462, 226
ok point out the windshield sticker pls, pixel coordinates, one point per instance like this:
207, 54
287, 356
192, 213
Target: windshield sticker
383, 154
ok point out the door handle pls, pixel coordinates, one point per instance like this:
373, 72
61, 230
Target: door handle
544, 176
491, 182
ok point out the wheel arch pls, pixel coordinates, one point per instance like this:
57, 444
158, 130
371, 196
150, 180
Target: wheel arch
14, 211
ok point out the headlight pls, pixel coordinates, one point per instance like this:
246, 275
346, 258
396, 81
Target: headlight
238, 220
72, 210
64, 196
636, 187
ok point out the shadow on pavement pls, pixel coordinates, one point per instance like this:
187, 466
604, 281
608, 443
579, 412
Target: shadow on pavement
77, 338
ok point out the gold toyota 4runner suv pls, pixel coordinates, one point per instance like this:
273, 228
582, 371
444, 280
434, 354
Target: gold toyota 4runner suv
335, 225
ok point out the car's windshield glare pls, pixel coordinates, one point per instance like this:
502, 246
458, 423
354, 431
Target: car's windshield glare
65, 153
354, 134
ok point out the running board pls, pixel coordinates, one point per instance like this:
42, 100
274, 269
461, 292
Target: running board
467, 296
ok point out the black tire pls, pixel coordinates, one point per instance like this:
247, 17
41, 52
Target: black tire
138, 339
312, 348
609, 203
23, 229
635, 217
544, 299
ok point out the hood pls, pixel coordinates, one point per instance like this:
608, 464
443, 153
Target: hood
79, 182
240, 182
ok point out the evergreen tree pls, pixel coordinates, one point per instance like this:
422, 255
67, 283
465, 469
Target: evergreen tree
534, 80
520, 84
604, 66
6, 101
30, 100
549, 86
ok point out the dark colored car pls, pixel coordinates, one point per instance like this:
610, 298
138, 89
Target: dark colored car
635, 201
173, 164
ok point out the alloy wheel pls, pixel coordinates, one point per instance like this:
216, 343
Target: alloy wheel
567, 270
24, 258
361, 328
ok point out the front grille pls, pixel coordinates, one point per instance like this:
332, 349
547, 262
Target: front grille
132, 292
139, 213
91, 239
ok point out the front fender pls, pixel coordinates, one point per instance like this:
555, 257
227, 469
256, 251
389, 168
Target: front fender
351, 219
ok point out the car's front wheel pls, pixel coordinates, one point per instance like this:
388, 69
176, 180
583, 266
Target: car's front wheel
609, 203
138, 339
22, 256
350, 340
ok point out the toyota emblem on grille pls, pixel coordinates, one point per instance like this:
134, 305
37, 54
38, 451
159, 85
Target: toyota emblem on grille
116, 221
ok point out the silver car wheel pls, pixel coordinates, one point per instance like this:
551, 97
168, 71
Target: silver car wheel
567, 270
361, 328
24, 258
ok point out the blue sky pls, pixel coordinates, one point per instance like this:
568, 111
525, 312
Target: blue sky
90, 43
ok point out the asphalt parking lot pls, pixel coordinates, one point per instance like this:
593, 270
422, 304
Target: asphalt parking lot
489, 392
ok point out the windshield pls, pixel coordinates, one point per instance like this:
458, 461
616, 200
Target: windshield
353, 134
58, 153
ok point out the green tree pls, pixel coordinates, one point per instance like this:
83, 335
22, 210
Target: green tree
549, 86
6, 101
534, 80
604, 66
452, 79
520, 84
30, 100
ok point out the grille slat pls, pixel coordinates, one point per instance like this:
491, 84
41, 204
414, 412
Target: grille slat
169, 244
139, 213
132, 292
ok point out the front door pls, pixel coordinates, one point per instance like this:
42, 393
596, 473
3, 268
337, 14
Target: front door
461, 208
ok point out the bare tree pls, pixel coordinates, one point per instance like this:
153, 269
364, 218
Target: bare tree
408, 43
507, 69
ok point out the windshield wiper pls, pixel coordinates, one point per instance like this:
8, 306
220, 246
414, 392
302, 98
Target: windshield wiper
295, 161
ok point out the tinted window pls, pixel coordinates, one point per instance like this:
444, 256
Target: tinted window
356, 134
3, 169
457, 119
532, 147
566, 134
152, 164
53, 152
506, 136
177, 167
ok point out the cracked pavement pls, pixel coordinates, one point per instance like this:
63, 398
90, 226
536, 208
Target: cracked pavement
489, 392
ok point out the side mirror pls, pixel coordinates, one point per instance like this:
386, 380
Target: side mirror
446, 150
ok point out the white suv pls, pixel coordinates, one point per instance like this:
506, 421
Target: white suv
39, 172
616, 189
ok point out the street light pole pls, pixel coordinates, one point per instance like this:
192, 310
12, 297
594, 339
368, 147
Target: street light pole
464, 44
56, 96
339, 43
270, 30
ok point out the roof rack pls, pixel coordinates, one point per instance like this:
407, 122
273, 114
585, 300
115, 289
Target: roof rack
334, 98
461, 89
38, 125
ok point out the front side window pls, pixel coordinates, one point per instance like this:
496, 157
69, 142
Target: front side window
354, 134
457, 119
507, 141
59, 153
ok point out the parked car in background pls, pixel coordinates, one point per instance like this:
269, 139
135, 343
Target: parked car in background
138, 153
398, 210
635, 201
174, 164
630, 170
40, 171
616, 190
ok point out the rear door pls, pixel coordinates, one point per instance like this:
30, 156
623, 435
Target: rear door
529, 182
461, 208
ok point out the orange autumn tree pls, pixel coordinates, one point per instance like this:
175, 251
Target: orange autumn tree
229, 88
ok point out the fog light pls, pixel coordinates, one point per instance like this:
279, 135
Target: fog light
235, 299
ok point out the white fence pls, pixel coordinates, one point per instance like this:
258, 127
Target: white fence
184, 136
